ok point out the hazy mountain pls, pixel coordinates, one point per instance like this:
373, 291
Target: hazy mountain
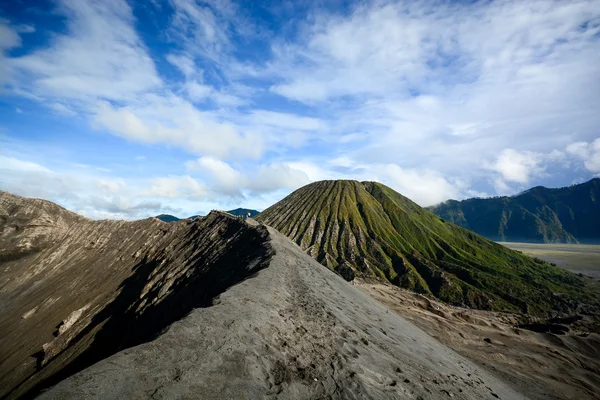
367, 229
167, 218
238, 212
243, 212
565, 215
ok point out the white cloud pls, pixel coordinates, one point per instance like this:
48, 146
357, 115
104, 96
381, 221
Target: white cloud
428, 91
185, 64
515, 166
14, 164
389, 47
100, 57
174, 121
178, 186
225, 180
313, 171
102, 68
79, 189
276, 176
589, 153
425, 187
25, 28
62, 109
9, 37
197, 91
285, 120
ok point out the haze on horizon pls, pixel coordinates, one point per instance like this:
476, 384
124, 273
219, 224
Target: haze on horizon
118, 109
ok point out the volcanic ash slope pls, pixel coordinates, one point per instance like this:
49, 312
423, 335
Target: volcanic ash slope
294, 331
74, 291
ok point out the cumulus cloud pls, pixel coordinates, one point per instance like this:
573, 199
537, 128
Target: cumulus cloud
175, 121
95, 196
589, 153
424, 187
429, 92
177, 186
226, 180
517, 166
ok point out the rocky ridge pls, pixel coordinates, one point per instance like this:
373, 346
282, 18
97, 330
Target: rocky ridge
74, 291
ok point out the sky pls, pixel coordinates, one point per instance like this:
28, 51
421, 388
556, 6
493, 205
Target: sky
121, 109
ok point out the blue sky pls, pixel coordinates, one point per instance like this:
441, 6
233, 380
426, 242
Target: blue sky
122, 109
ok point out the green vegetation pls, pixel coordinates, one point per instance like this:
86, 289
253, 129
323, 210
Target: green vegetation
369, 230
565, 215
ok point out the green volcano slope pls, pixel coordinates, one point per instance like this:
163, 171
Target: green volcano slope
369, 230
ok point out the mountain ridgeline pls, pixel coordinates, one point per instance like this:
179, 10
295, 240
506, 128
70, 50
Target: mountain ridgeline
564, 215
74, 291
366, 229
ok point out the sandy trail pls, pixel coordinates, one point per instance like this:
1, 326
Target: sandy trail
295, 330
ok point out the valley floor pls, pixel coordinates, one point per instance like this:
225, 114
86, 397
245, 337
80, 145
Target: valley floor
579, 258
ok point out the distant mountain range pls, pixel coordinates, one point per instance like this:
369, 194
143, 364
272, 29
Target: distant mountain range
243, 212
565, 215
167, 218
238, 212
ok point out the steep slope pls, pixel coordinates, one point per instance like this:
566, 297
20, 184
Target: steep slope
565, 215
74, 291
370, 230
294, 331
